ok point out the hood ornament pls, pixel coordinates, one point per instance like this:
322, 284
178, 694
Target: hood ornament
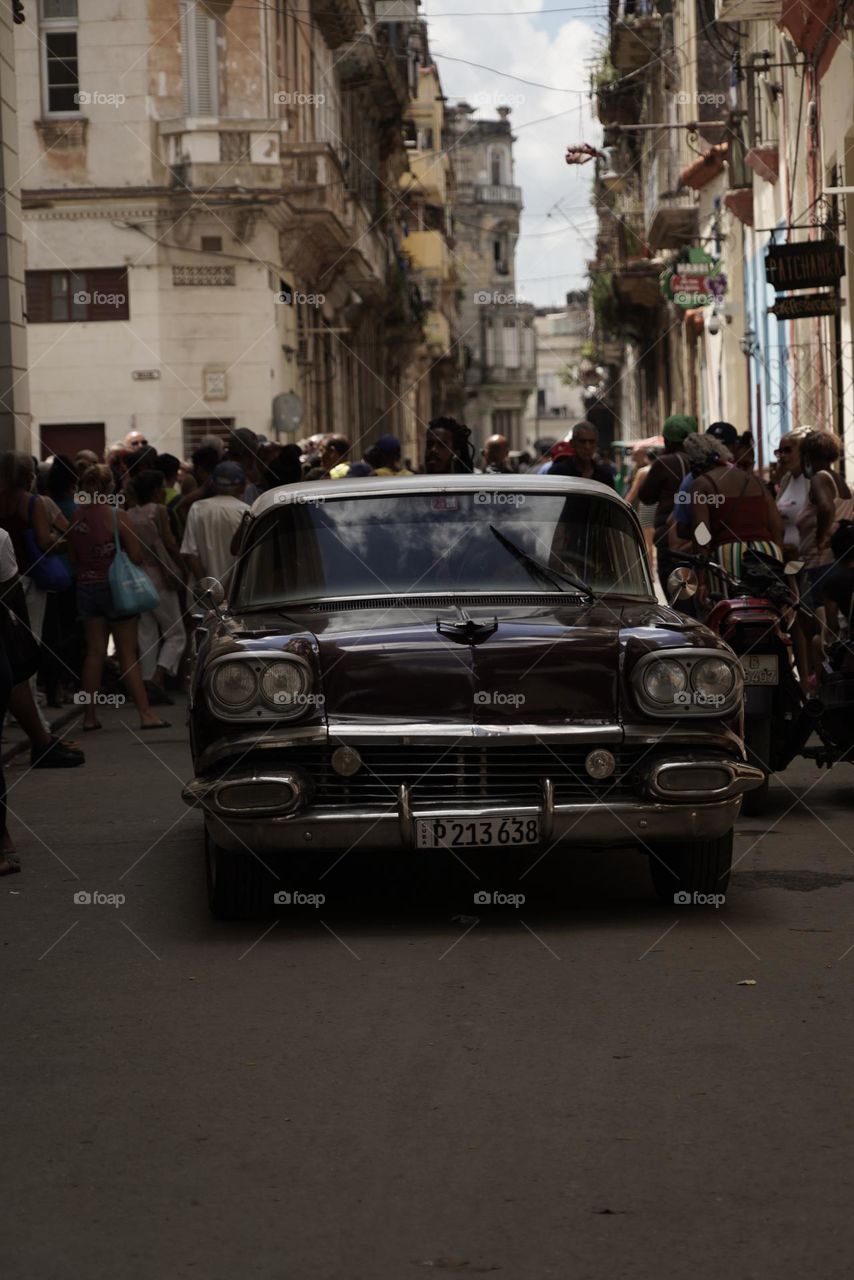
466, 630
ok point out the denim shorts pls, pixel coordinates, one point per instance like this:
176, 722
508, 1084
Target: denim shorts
95, 600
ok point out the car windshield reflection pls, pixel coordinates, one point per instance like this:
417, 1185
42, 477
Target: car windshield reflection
440, 543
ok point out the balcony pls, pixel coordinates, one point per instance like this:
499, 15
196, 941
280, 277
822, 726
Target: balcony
338, 21
635, 35
670, 213
429, 253
427, 176
636, 284
205, 154
748, 10
497, 193
437, 333
312, 182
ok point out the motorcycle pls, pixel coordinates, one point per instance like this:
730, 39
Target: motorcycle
754, 617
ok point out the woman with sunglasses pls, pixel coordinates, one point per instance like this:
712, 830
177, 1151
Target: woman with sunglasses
793, 496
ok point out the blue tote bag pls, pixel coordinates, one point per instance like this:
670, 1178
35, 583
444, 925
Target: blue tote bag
131, 588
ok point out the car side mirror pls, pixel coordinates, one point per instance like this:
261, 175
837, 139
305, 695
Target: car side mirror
793, 567
702, 534
211, 592
682, 584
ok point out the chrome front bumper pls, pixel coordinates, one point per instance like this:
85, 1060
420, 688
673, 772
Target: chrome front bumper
247, 812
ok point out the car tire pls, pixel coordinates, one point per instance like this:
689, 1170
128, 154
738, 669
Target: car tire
757, 740
239, 886
699, 867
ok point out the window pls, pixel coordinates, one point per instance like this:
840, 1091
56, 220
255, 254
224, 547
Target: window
212, 244
195, 430
199, 60
58, 43
511, 344
55, 297
497, 167
503, 422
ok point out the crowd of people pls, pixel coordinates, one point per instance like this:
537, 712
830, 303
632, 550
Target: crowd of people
73, 529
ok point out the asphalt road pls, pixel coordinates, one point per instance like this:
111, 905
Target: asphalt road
370, 1089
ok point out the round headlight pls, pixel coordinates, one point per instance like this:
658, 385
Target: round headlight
284, 686
714, 679
234, 685
664, 679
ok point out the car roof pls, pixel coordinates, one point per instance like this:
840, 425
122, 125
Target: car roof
380, 486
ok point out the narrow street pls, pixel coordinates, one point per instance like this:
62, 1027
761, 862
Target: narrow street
526, 1091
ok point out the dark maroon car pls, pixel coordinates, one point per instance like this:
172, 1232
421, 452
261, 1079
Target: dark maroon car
458, 662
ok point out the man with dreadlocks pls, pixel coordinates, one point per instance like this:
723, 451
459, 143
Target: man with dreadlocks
448, 448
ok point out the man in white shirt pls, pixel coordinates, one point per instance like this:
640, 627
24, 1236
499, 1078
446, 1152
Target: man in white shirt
212, 523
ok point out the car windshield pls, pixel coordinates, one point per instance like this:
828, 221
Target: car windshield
422, 543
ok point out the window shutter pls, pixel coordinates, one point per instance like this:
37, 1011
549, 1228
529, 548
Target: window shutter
38, 297
108, 288
200, 64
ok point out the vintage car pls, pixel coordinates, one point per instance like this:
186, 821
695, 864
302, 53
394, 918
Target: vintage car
463, 662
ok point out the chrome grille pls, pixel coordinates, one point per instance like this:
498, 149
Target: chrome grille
460, 773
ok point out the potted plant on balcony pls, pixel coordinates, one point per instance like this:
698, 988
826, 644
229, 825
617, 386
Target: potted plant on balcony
617, 99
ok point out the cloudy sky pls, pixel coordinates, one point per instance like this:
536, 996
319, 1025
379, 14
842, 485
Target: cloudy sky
524, 39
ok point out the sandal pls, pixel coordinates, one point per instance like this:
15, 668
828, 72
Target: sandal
161, 724
91, 728
10, 863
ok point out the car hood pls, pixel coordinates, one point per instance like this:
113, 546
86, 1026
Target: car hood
549, 665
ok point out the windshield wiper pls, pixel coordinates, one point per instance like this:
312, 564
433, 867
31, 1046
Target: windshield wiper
545, 571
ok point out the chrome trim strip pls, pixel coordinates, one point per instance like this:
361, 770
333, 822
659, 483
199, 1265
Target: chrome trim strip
404, 815
405, 733
423, 731
547, 819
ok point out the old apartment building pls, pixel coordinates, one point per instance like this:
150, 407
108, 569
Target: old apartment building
211, 227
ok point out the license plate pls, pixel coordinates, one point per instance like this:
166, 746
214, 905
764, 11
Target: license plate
475, 833
761, 668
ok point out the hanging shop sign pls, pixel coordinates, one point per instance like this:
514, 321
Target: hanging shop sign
696, 280
799, 305
804, 266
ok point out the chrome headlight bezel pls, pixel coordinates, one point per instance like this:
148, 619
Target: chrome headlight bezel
259, 707
690, 700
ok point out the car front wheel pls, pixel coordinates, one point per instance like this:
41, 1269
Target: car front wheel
239, 885
696, 873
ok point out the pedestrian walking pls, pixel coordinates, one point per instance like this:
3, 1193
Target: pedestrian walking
93, 545
162, 637
212, 524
